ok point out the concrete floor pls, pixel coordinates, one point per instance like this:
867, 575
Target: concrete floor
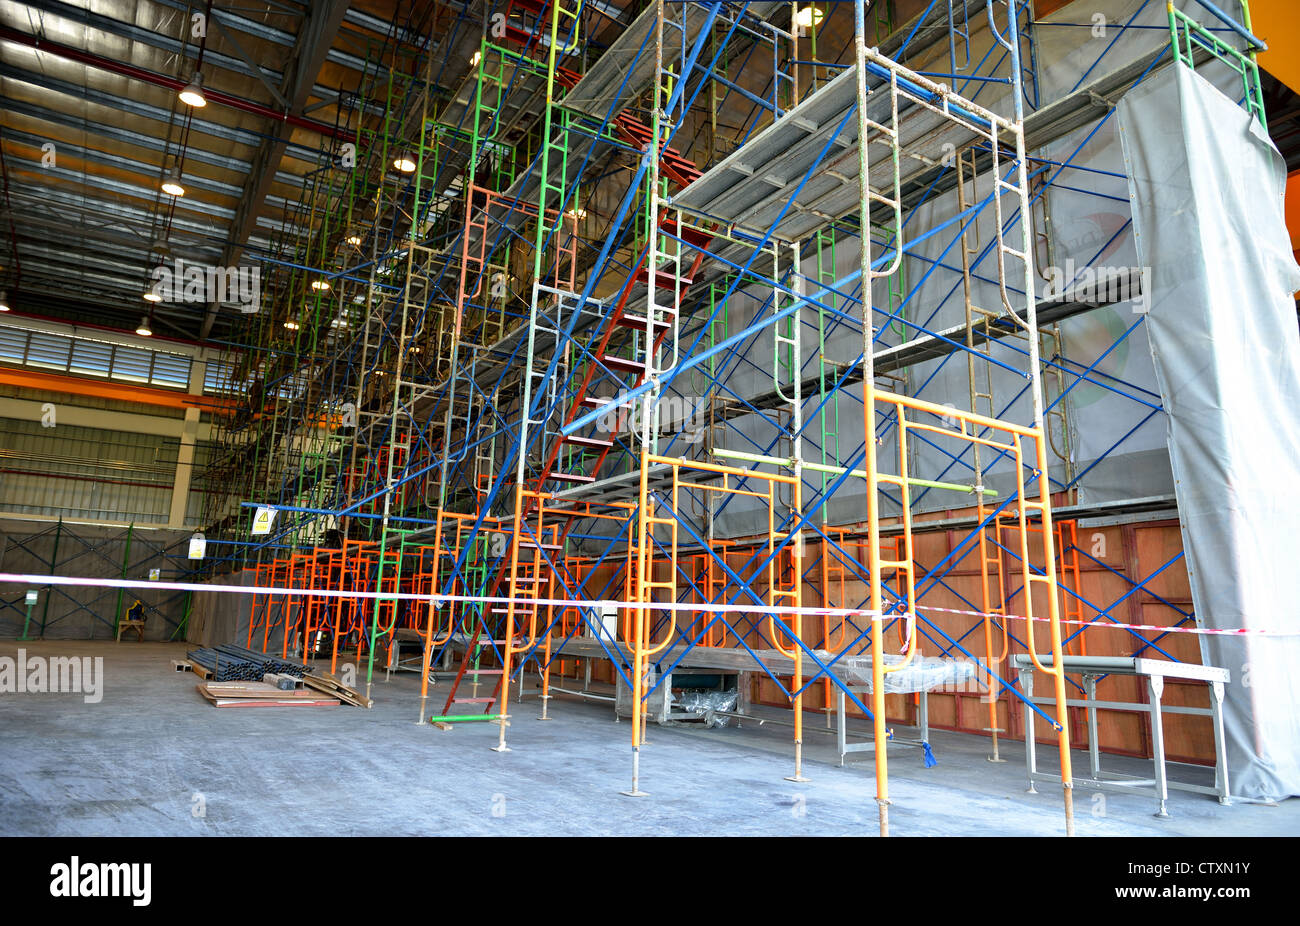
154, 758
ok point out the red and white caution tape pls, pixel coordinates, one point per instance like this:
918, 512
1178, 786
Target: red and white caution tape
1115, 625
596, 604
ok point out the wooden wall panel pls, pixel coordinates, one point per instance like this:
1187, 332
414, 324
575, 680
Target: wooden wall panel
1111, 558
1132, 552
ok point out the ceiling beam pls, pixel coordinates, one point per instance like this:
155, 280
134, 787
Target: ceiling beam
120, 392
79, 126
98, 210
314, 40
103, 419
74, 234
181, 49
60, 176
171, 83
222, 133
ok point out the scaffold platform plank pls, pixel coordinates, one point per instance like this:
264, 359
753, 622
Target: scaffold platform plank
694, 657
626, 70
750, 187
925, 347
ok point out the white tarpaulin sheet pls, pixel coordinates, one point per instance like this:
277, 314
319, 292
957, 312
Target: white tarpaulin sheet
1206, 186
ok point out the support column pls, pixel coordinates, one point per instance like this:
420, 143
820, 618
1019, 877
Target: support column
185, 457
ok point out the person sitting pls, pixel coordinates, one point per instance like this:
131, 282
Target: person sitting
134, 620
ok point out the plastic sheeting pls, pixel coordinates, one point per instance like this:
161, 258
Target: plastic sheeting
923, 673
1206, 186
708, 703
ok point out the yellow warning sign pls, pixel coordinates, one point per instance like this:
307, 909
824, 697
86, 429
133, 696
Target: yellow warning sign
262, 521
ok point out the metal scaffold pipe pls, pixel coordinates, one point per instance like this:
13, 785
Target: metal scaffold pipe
869, 415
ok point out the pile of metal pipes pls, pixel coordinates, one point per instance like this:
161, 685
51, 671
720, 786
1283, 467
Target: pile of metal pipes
226, 668
230, 663
268, 662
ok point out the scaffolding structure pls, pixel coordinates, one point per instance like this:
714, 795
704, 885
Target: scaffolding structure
649, 341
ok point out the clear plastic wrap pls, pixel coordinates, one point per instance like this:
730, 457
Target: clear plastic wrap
707, 703
923, 673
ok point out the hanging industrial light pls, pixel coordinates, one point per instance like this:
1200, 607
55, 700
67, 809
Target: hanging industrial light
404, 162
354, 239
171, 184
808, 16
143, 329
155, 288
319, 285
192, 93
4, 301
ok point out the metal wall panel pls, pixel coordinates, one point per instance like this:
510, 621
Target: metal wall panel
85, 473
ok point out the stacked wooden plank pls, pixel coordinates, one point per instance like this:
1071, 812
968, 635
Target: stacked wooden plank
238, 677
282, 681
329, 685
261, 694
